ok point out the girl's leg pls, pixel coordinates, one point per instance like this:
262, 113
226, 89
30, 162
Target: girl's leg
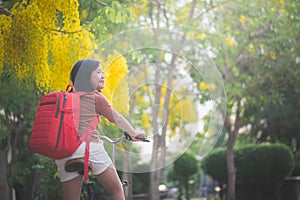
71, 189
111, 182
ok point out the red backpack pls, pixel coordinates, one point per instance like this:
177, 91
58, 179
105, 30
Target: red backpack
55, 128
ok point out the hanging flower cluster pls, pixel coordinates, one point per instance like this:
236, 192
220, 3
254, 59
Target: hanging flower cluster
42, 41
116, 82
4, 31
182, 111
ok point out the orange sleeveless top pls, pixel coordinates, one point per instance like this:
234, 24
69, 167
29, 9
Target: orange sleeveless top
91, 105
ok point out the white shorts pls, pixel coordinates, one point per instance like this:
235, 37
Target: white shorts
98, 157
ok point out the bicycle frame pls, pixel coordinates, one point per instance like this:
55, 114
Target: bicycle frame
113, 142
125, 136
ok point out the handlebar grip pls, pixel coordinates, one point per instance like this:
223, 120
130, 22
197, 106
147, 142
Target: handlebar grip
128, 137
145, 140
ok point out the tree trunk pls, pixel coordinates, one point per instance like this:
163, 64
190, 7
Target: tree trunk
155, 172
159, 151
128, 189
4, 187
155, 179
232, 130
231, 170
128, 177
187, 195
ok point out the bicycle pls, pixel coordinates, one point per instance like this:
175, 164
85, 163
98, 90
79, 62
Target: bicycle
77, 164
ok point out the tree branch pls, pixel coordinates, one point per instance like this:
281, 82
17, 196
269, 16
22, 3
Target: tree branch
4, 11
260, 33
102, 3
212, 7
151, 12
165, 13
228, 71
237, 123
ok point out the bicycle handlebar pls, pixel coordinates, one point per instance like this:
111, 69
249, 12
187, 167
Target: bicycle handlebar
128, 137
120, 139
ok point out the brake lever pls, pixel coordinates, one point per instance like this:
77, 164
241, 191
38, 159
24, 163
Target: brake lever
128, 137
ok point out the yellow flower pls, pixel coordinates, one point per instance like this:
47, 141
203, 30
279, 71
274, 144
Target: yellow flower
229, 41
230, 102
202, 86
281, 10
272, 56
84, 14
172, 133
135, 11
211, 87
142, 102
190, 34
251, 48
201, 36
242, 19
116, 75
37, 42
145, 120
188, 111
281, 2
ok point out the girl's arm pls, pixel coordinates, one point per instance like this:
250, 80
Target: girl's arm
123, 124
105, 109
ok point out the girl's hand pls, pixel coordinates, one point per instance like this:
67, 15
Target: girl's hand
139, 136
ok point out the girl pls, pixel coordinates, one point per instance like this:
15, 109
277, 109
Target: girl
87, 76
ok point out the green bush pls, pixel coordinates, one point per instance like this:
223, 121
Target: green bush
264, 163
296, 171
214, 164
140, 183
255, 163
185, 166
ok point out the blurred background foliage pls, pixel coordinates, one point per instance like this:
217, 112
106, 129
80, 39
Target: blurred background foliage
253, 44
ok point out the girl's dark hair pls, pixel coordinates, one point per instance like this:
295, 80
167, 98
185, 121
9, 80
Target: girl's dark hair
75, 71
81, 74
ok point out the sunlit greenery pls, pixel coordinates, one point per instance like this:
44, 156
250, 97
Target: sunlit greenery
253, 44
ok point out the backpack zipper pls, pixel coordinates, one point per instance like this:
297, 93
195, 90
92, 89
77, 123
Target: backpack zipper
61, 120
57, 105
53, 102
48, 103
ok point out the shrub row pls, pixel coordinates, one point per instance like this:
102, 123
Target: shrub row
255, 163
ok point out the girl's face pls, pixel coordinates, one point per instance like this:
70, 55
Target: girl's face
97, 79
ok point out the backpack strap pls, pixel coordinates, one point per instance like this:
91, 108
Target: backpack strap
87, 136
70, 86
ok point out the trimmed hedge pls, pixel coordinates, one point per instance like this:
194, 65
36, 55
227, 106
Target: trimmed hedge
296, 171
255, 163
214, 164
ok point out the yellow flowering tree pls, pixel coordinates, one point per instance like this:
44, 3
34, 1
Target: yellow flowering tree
42, 41
116, 85
39, 43
181, 110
